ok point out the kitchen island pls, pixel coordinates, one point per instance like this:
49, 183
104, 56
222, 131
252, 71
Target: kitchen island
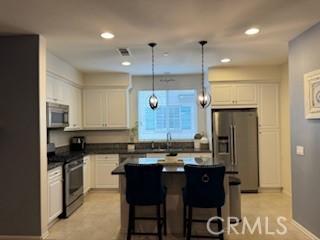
174, 180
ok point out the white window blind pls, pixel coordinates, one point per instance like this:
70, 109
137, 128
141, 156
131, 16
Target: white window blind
176, 113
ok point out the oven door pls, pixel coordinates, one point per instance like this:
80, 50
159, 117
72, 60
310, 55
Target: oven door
57, 115
73, 181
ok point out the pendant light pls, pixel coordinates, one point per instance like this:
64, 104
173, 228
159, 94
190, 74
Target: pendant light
153, 100
204, 97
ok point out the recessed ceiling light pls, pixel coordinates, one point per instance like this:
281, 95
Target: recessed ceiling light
225, 60
107, 35
126, 63
166, 54
252, 31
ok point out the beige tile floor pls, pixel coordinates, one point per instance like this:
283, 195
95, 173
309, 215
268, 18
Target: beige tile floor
99, 218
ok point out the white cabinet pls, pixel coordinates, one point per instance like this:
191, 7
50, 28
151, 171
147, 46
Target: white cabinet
222, 94
104, 165
117, 109
233, 94
86, 174
62, 92
73, 98
268, 108
55, 89
269, 158
55, 196
105, 109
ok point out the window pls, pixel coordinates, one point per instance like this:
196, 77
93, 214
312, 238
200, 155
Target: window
176, 113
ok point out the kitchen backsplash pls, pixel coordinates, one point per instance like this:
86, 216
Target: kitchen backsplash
62, 138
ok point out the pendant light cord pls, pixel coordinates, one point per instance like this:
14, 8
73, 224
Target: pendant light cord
152, 70
202, 65
202, 43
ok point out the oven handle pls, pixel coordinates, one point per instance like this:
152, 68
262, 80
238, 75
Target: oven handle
74, 168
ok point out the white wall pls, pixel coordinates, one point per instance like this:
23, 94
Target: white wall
285, 131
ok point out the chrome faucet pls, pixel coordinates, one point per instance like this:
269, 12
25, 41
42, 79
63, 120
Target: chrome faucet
169, 140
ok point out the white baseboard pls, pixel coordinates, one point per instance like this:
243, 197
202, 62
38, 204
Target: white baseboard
304, 230
20, 237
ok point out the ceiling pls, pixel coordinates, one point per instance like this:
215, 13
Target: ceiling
72, 29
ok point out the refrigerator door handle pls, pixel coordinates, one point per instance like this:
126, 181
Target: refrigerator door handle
231, 145
235, 144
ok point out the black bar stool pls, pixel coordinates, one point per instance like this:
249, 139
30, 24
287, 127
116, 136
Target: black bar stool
145, 188
204, 189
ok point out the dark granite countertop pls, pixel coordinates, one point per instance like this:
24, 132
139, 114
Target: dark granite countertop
70, 154
52, 165
230, 169
145, 151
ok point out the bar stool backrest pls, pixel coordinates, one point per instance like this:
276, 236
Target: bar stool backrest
144, 184
204, 186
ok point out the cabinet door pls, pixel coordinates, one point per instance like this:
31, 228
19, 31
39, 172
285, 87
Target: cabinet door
117, 106
78, 106
103, 177
94, 108
86, 174
55, 199
55, 89
245, 94
50, 89
269, 158
268, 106
222, 94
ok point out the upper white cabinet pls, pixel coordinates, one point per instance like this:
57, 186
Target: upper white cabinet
62, 92
233, 94
74, 100
105, 109
55, 89
268, 109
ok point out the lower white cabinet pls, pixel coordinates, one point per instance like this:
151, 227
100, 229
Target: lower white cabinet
104, 165
86, 174
55, 193
269, 158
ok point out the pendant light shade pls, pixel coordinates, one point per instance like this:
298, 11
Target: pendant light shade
204, 98
153, 100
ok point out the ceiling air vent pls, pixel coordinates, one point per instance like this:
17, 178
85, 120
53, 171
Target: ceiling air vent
124, 52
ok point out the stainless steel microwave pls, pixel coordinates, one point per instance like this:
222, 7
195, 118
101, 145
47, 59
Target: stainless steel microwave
57, 115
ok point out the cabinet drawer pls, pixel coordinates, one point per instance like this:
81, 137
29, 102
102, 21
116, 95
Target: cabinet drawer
55, 173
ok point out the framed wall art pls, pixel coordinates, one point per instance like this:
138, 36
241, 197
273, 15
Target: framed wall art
312, 95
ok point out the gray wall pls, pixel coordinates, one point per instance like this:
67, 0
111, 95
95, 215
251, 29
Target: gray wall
19, 136
304, 56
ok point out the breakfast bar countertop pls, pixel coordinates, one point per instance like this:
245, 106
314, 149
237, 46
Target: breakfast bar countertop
230, 169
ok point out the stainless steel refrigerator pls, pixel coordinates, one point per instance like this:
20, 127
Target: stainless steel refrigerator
235, 141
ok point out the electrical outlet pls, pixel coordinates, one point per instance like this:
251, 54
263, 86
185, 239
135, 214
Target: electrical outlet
300, 150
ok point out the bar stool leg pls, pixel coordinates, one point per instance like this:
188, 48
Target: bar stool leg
129, 223
165, 217
189, 230
159, 222
184, 219
220, 227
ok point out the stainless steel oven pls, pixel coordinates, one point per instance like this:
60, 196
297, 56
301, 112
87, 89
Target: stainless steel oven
57, 115
73, 186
